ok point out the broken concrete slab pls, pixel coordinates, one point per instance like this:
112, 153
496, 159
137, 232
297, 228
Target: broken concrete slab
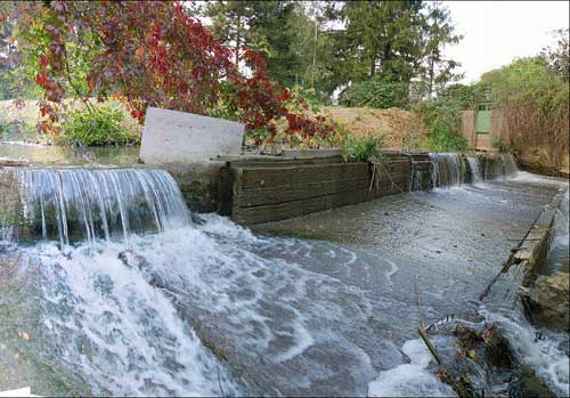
172, 136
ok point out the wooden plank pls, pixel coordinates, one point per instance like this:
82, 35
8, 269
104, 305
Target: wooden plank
295, 176
260, 162
281, 211
256, 196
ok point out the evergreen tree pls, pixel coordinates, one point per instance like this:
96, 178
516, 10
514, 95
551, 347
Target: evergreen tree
439, 31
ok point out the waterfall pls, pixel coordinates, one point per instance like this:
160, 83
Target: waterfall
447, 169
86, 204
509, 164
475, 169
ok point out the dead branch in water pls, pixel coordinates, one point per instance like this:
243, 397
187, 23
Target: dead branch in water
429, 345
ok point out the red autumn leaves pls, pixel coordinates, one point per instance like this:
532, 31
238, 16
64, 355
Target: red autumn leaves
153, 53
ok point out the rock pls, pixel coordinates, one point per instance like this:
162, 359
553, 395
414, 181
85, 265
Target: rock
549, 301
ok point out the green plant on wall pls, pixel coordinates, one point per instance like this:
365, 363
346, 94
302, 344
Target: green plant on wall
362, 149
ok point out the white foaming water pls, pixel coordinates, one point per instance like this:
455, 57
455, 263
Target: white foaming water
410, 379
86, 204
475, 169
118, 325
446, 169
543, 355
121, 333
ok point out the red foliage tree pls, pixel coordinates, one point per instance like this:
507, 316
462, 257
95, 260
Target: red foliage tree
153, 53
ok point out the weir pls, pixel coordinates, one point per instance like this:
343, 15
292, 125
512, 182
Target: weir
88, 204
143, 301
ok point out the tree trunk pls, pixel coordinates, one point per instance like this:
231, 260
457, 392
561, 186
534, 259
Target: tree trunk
431, 76
238, 40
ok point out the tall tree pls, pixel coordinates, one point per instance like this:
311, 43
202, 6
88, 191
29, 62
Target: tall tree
558, 56
384, 38
263, 26
439, 31
231, 21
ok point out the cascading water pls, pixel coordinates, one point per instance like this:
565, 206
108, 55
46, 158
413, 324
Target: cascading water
447, 169
86, 204
101, 317
286, 316
475, 169
509, 164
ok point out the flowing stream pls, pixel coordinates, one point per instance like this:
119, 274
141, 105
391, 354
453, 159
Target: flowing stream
129, 294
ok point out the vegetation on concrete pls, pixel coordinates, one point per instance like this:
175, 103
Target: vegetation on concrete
442, 118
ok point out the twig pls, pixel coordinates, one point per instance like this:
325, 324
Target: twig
429, 345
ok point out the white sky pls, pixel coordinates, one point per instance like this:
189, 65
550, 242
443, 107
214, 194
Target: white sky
496, 32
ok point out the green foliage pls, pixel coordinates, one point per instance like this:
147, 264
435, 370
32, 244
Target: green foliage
362, 148
442, 120
97, 127
534, 101
376, 93
558, 56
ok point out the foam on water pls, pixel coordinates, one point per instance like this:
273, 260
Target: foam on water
544, 355
410, 379
124, 335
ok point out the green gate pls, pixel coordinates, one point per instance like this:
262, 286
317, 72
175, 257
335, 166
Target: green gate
483, 120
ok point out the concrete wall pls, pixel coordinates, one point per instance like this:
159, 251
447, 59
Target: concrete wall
482, 142
180, 137
468, 127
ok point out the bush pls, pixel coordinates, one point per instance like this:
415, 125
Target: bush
376, 93
361, 149
534, 104
442, 118
97, 127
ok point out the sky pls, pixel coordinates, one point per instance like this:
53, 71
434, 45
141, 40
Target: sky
496, 32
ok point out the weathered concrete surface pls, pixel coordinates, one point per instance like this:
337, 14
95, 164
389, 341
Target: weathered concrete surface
199, 183
171, 136
468, 123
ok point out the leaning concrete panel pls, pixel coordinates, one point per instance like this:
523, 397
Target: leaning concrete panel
172, 136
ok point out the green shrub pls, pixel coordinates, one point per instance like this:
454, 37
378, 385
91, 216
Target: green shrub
361, 149
376, 93
97, 127
442, 118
